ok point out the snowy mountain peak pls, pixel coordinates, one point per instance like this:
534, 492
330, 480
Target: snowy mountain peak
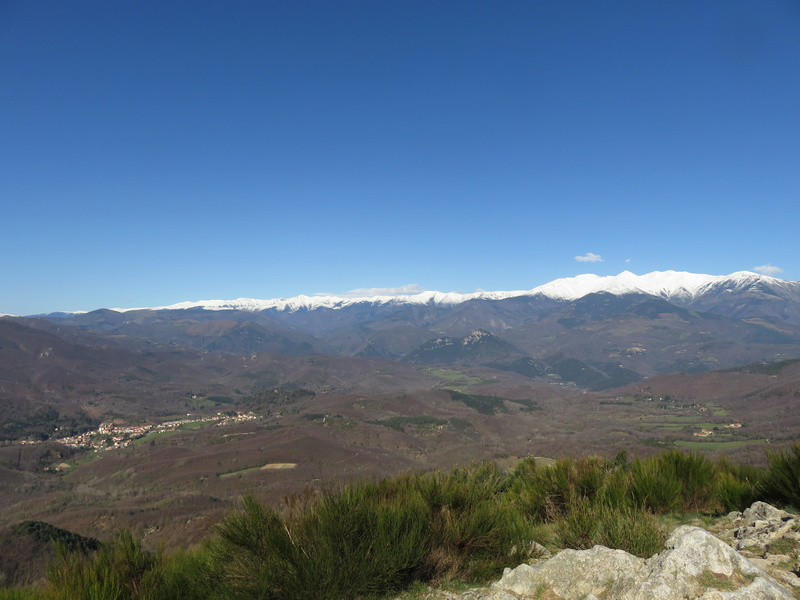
669, 285
665, 284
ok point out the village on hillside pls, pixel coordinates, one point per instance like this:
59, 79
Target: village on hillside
109, 436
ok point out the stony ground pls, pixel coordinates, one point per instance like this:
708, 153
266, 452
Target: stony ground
752, 555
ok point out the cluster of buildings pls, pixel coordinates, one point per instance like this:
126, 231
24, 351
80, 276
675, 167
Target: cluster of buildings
709, 432
108, 436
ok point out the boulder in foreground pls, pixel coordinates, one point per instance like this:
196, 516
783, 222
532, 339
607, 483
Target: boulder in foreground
695, 565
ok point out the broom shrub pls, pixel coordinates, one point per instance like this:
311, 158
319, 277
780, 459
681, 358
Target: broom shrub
781, 482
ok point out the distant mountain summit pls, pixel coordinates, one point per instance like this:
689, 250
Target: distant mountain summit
669, 285
479, 347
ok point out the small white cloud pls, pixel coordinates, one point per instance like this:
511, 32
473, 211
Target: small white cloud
627, 260
403, 290
589, 257
768, 270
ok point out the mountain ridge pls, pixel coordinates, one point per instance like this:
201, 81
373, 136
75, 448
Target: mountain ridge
670, 285
616, 330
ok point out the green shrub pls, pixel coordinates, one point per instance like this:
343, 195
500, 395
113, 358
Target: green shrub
356, 543
46, 533
589, 523
590, 474
118, 571
373, 538
696, 475
654, 487
182, 575
580, 529
253, 554
399, 423
18, 594
616, 489
360, 541
544, 493
526, 490
736, 486
733, 493
474, 529
781, 482
634, 531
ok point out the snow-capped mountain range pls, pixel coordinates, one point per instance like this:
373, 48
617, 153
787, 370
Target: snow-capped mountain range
668, 285
592, 331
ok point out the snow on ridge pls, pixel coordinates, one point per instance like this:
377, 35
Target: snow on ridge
304, 302
744, 279
663, 284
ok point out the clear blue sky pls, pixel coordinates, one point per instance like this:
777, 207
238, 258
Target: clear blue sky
153, 152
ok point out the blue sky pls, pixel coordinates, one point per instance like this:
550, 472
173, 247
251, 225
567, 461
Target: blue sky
156, 152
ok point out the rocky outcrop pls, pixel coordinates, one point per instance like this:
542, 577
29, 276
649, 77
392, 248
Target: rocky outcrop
761, 525
770, 539
695, 565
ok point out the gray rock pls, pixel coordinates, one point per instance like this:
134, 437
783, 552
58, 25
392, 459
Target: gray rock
572, 574
734, 516
692, 554
760, 589
532, 549
765, 524
790, 578
761, 511
693, 565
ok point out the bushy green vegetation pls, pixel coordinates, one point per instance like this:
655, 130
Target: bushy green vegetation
737, 485
399, 423
17, 594
374, 539
274, 397
460, 424
221, 399
45, 533
530, 405
781, 485
313, 416
40, 424
486, 405
763, 368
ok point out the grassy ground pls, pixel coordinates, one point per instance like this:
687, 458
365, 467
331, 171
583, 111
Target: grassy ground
458, 379
239, 472
717, 444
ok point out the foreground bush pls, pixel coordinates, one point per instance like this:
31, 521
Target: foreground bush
373, 539
590, 523
696, 476
122, 570
781, 483
17, 594
736, 486
654, 487
474, 531
341, 548
545, 493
